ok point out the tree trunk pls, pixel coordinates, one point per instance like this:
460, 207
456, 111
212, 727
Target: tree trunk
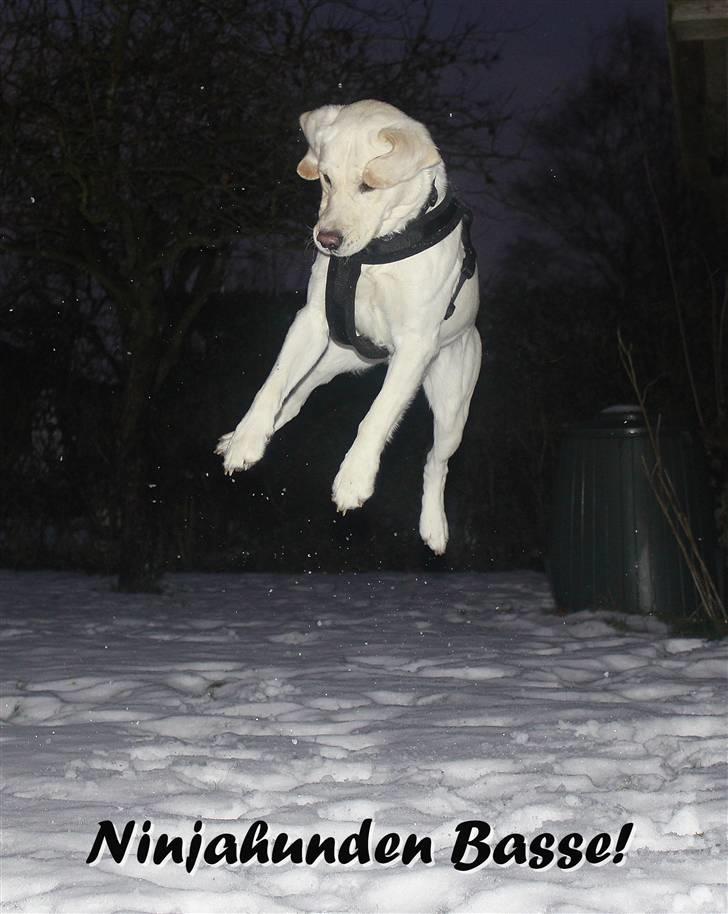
141, 545
140, 540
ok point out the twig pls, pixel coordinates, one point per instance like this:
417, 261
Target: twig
667, 498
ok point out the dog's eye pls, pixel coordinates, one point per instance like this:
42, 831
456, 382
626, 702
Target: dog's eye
327, 180
364, 188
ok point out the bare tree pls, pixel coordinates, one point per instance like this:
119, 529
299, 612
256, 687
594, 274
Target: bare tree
144, 140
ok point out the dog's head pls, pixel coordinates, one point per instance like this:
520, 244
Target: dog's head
376, 168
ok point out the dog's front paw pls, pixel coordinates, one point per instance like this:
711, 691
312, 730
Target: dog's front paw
433, 530
354, 482
223, 444
242, 448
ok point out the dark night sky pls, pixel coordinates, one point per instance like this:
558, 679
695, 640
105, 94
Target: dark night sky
546, 48
551, 46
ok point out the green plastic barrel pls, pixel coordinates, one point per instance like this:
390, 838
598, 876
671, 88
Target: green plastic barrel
611, 546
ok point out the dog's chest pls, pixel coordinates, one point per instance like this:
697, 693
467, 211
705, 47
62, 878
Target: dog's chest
380, 303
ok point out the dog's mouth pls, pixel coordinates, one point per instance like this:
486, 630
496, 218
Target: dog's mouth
330, 253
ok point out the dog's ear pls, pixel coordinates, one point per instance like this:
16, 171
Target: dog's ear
412, 150
312, 123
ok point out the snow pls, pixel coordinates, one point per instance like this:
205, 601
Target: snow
315, 703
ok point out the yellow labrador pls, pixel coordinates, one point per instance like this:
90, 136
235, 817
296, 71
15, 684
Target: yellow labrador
393, 246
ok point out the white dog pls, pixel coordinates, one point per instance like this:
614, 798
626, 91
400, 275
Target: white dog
393, 239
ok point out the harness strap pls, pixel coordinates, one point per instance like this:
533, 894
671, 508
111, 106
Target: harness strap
470, 261
341, 280
428, 229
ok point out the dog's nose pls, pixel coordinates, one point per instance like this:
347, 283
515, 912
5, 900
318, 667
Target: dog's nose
329, 240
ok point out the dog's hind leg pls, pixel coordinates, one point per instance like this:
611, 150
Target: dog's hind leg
449, 385
335, 361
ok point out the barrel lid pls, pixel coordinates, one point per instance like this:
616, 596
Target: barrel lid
620, 416
621, 420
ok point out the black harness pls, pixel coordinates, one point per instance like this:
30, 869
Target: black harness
425, 231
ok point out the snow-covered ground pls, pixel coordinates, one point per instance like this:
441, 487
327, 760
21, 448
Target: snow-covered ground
316, 703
